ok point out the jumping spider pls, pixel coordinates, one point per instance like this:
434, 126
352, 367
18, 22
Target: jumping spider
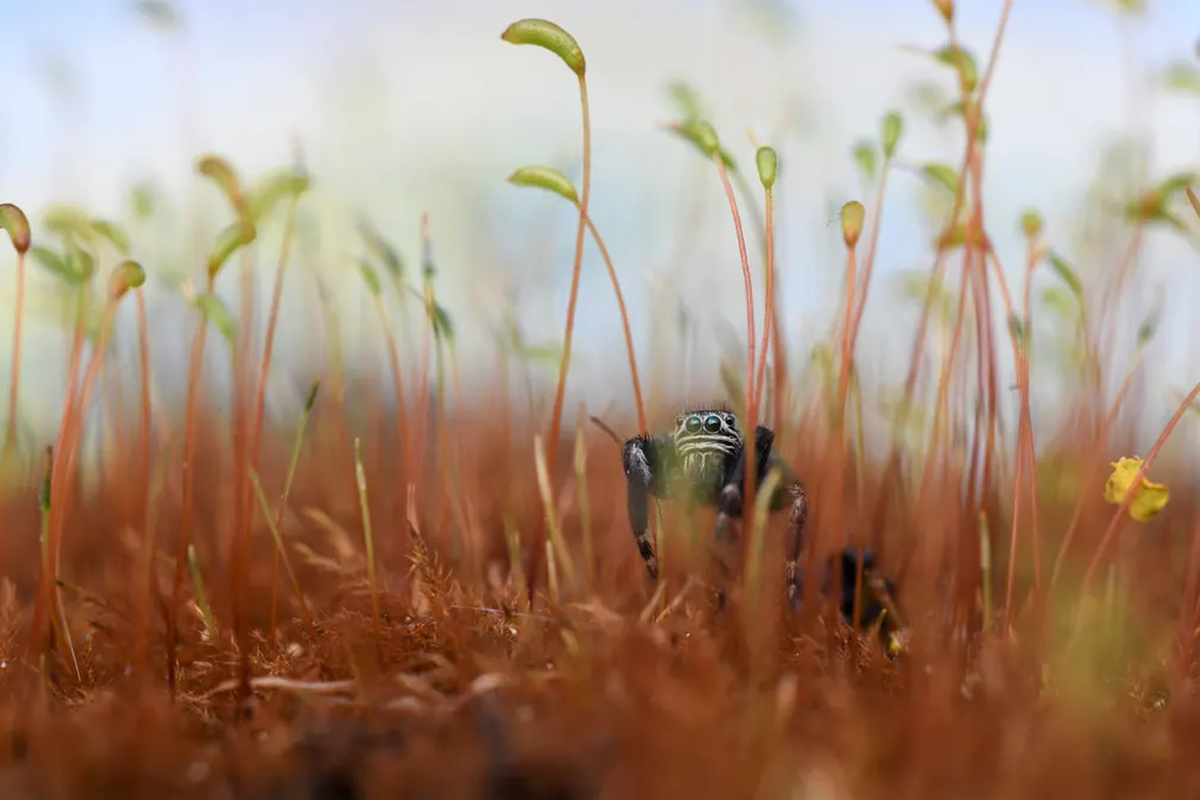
703, 461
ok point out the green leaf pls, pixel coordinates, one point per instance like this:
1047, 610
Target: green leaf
282, 184
16, 225
232, 238
217, 314
545, 34
546, 178
867, 159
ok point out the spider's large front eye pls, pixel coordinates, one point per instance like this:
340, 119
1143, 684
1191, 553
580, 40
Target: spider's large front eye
693, 425
712, 424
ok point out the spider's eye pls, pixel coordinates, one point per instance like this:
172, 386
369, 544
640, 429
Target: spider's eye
679, 420
729, 420
693, 425
712, 424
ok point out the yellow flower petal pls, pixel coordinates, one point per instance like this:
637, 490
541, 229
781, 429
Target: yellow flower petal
1148, 498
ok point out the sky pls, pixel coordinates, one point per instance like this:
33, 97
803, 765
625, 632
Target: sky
410, 108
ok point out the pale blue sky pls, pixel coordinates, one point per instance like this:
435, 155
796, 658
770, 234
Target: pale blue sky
412, 107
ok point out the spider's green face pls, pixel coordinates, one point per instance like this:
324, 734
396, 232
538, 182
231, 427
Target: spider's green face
703, 438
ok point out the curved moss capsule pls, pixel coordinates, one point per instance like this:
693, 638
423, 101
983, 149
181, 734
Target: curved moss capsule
380, 248
768, 166
547, 35
962, 61
66, 219
697, 133
546, 178
16, 225
232, 238
125, 276
942, 174
853, 217
867, 159
706, 137
267, 194
221, 172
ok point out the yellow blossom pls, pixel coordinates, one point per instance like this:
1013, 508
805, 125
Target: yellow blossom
1148, 498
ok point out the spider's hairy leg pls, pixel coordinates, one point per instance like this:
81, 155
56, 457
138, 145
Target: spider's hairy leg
644, 457
729, 505
729, 502
791, 493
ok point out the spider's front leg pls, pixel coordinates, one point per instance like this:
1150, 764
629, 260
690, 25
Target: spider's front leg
642, 459
797, 524
730, 500
789, 492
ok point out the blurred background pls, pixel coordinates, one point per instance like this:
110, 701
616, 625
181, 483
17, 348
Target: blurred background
402, 109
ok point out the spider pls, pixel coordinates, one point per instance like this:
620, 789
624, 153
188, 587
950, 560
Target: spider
703, 461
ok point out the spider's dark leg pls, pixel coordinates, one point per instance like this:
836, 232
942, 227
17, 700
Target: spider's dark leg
729, 502
642, 457
792, 495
